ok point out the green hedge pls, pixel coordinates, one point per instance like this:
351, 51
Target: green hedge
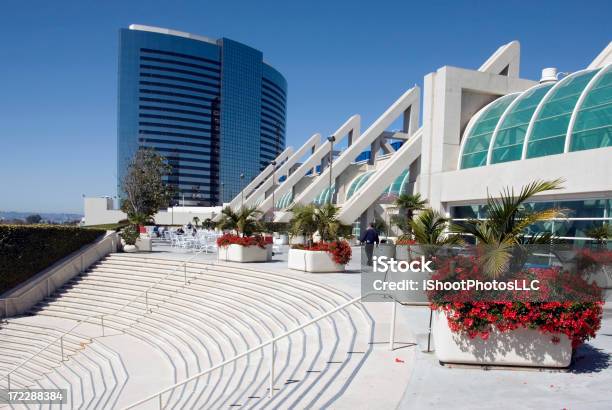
25, 250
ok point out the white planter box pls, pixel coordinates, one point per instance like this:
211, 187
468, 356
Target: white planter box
239, 253
144, 244
313, 261
520, 347
130, 248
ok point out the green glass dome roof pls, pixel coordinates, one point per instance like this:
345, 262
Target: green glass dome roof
285, 200
572, 114
325, 196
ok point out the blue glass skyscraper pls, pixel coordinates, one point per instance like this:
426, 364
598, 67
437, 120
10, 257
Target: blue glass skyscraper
213, 108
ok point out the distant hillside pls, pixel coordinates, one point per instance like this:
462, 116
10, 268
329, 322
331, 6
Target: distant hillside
50, 217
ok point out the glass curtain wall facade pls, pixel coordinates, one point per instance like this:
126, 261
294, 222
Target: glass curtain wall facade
203, 105
581, 216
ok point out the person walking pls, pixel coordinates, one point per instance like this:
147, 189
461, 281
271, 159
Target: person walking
369, 238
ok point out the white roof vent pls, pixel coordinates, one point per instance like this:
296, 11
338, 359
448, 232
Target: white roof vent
548, 74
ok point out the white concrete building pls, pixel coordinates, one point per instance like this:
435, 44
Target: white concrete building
100, 210
482, 131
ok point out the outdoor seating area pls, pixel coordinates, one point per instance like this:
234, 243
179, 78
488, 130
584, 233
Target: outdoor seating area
194, 239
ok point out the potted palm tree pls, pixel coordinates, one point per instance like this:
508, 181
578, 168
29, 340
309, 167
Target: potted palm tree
408, 205
511, 330
241, 241
331, 252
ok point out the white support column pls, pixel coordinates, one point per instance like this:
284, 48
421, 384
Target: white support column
409, 99
352, 124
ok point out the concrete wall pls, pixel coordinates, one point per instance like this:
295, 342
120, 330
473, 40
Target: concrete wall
451, 95
587, 174
100, 211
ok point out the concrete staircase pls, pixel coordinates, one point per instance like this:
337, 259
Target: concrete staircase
222, 311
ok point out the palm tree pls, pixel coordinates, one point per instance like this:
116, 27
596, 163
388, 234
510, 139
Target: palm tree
196, 221
244, 221
429, 228
502, 236
310, 219
303, 221
326, 219
600, 234
409, 203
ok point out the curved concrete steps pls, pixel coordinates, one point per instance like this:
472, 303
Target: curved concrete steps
220, 312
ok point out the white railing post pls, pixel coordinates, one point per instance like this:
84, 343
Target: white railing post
185, 273
271, 393
9, 381
160, 402
62, 347
102, 323
147, 301
392, 326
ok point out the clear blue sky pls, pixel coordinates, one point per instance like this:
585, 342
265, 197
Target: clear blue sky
58, 68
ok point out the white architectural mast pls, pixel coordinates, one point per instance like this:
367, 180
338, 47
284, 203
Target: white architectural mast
351, 126
263, 176
402, 106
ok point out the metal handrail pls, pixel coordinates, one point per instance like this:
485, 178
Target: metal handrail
270, 343
7, 376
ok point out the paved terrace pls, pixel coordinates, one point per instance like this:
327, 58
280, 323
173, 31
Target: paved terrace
423, 383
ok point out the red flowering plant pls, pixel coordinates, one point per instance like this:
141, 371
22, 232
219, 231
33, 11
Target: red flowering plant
562, 302
312, 219
340, 250
228, 239
509, 249
244, 228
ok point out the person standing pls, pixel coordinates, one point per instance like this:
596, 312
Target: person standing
369, 238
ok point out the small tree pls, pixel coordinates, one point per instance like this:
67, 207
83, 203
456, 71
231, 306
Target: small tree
144, 187
208, 223
409, 204
196, 221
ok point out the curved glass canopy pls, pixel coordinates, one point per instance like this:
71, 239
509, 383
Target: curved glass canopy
325, 196
357, 183
284, 200
550, 123
593, 123
572, 114
399, 185
479, 134
510, 135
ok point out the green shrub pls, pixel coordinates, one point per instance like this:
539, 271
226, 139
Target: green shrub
25, 250
130, 234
